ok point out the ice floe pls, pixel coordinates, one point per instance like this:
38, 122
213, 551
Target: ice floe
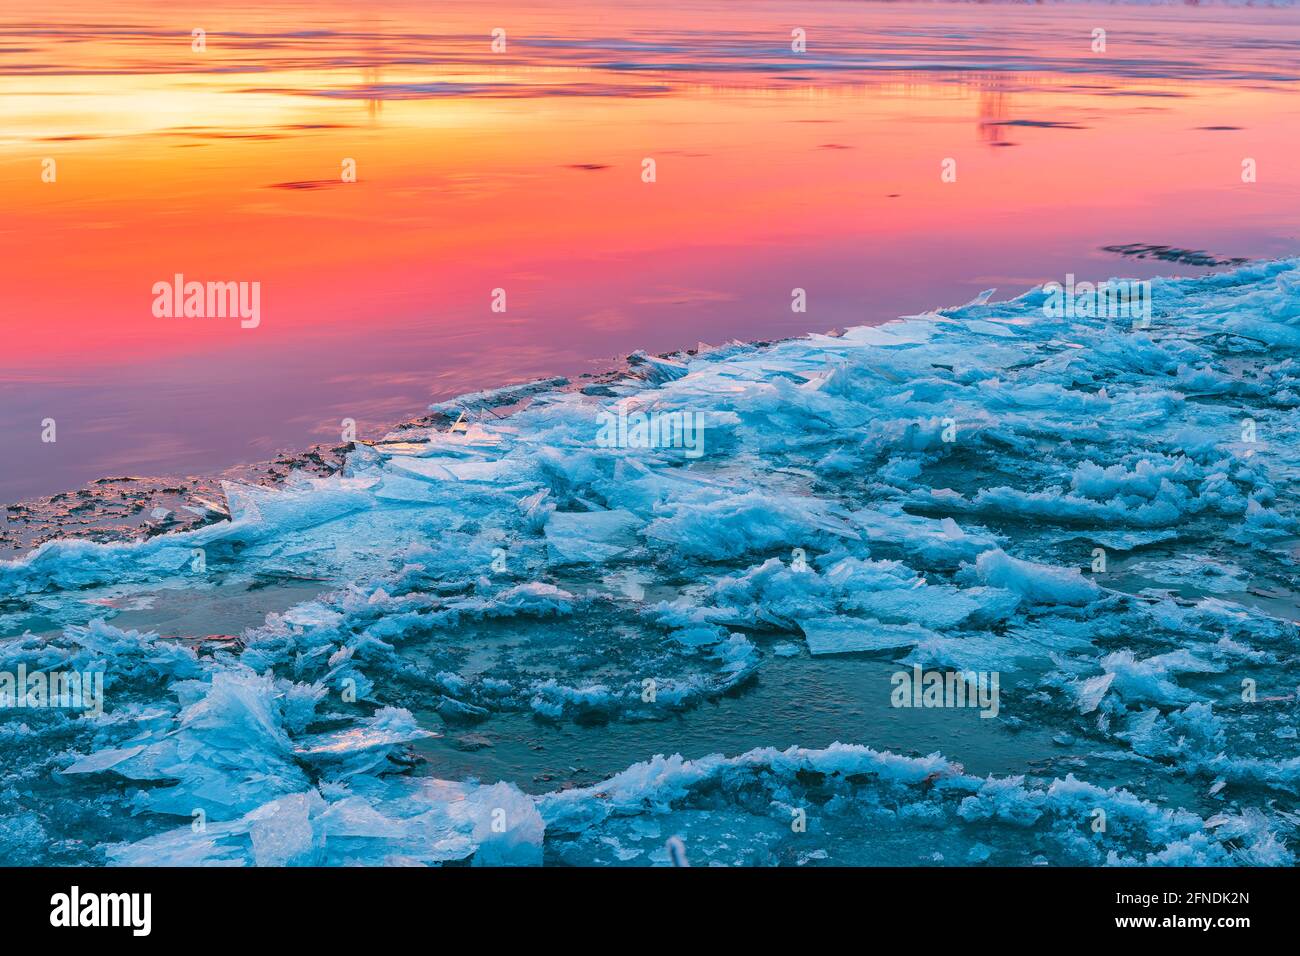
1104, 514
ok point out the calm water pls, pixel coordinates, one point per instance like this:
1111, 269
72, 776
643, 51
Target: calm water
522, 170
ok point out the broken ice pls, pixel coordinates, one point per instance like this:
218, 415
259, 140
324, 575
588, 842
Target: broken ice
1105, 516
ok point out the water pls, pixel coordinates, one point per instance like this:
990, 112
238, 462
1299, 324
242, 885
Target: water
611, 644
521, 170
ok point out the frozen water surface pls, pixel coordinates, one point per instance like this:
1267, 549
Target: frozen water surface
510, 643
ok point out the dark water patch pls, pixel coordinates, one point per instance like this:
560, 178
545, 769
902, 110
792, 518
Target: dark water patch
1188, 257
307, 184
1036, 124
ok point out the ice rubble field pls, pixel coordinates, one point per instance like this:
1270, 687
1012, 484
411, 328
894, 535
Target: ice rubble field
519, 567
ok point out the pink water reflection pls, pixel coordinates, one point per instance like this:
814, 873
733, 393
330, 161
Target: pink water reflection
522, 170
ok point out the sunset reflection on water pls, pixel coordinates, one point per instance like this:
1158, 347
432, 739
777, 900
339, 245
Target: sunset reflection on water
521, 170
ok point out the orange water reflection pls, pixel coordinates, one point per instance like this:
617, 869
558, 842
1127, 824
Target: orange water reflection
522, 170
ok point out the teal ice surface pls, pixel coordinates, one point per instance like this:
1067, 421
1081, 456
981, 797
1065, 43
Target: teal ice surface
533, 640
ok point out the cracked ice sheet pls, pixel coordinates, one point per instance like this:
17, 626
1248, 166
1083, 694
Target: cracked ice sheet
920, 811
455, 573
729, 811
845, 635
